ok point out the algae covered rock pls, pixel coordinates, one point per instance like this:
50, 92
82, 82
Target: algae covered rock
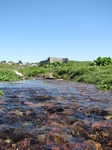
41, 138
78, 129
1, 93
91, 145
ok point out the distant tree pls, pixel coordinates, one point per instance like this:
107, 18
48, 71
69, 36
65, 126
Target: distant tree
3, 62
11, 62
20, 62
102, 61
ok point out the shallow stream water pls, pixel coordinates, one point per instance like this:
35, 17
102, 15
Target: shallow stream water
55, 115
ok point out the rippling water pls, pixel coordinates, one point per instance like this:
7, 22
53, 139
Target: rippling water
55, 115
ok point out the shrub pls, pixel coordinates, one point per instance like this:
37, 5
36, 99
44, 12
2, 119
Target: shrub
7, 75
1, 93
102, 61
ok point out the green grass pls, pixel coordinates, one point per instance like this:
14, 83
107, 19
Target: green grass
73, 70
7, 66
1, 93
7, 73
33, 71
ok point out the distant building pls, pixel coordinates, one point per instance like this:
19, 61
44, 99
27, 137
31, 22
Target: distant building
54, 59
3, 62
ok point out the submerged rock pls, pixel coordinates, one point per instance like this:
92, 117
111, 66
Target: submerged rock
41, 138
91, 145
16, 112
55, 115
108, 110
26, 124
78, 129
108, 117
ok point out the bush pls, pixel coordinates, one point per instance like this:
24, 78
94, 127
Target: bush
102, 61
7, 75
1, 93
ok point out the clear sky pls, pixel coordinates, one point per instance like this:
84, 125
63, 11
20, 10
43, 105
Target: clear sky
32, 30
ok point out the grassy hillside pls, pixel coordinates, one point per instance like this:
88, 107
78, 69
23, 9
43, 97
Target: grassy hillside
75, 71
87, 72
7, 72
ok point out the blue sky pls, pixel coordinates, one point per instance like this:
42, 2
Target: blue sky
32, 30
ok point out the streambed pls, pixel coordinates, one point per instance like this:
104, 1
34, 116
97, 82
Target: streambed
55, 115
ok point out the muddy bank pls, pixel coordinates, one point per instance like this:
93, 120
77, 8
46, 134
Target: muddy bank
55, 115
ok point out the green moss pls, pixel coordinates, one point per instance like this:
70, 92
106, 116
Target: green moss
1, 93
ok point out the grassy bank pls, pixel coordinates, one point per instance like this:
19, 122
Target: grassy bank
7, 72
72, 70
75, 71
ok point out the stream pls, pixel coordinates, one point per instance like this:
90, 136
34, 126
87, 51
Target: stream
55, 115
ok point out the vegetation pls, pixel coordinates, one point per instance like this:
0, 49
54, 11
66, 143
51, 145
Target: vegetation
1, 93
34, 71
7, 73
99, 72
102, 61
